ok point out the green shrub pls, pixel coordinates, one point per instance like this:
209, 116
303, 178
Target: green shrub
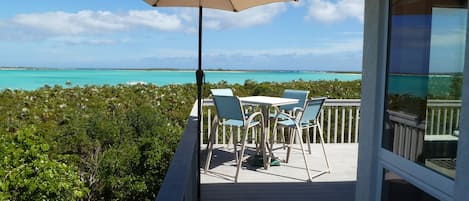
107, 142
27, 172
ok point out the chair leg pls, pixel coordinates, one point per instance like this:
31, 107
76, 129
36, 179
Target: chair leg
211, 141
214, 123
255, 141
308, 140
271, 148
235, 146
290, 132
274, 132
283, 138
230, 141
231, 138
269, 143
298, 131
240, 159
282, 133
323, 149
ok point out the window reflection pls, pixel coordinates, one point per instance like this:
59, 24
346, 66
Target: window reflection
424, 80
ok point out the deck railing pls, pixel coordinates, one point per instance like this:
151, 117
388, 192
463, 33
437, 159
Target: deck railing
340, 119
443, 116
410, 133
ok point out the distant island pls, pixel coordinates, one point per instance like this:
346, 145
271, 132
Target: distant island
178, 69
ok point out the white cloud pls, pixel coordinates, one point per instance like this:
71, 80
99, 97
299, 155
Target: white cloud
339, 55
343, 54
448, 38
86, 21
86, 41
328, 11
338, 47
154, 19
214, 19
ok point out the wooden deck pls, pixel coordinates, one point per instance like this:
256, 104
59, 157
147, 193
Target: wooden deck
284, 182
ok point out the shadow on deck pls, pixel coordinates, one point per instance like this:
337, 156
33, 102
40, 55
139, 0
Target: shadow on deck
285, 182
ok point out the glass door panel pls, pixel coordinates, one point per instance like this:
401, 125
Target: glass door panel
424, 78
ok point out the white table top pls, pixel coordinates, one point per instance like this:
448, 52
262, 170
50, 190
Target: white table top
267, 100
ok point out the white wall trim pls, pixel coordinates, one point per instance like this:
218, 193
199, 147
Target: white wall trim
425, 179
373, 80
462, 161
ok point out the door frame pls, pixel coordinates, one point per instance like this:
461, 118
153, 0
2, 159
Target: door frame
372, 158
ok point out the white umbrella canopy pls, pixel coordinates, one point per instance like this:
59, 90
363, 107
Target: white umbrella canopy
228, 5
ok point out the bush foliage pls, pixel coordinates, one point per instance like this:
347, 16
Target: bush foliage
106, 142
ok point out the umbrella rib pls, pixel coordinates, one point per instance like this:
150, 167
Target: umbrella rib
234, 9
156, 3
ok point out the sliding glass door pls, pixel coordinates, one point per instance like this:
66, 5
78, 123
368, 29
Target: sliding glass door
423, 92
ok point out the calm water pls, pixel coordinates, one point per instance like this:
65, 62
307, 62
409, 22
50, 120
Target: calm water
33, 79
421, 86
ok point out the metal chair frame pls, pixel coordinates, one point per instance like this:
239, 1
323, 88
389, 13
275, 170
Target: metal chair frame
305, 118
231, 109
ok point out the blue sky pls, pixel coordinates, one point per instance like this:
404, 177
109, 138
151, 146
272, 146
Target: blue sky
307, 35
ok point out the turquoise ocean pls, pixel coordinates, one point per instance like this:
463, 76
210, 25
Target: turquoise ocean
33, 79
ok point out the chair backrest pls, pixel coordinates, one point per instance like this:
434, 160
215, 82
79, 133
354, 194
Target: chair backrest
228, 107
301, 95
222, 92
312, 109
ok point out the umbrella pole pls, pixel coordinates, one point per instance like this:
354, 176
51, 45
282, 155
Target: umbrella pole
199, 77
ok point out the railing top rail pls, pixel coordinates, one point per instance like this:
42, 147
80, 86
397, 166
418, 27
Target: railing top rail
342, 102
444, 103
356, 102
406, 119
329, 102
175, 183
207, 102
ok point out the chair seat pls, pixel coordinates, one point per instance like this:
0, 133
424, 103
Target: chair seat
280, 116
290, 123
239, 123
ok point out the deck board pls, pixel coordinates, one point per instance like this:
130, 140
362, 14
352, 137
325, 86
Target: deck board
284, 182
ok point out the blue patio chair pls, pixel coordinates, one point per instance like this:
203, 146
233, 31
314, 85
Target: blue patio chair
222, 92
231, 110
227, 92
301, 95
305, 118
291, 109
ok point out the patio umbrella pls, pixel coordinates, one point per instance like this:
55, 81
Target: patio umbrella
227, 5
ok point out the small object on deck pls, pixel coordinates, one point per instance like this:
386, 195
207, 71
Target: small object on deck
258, 161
